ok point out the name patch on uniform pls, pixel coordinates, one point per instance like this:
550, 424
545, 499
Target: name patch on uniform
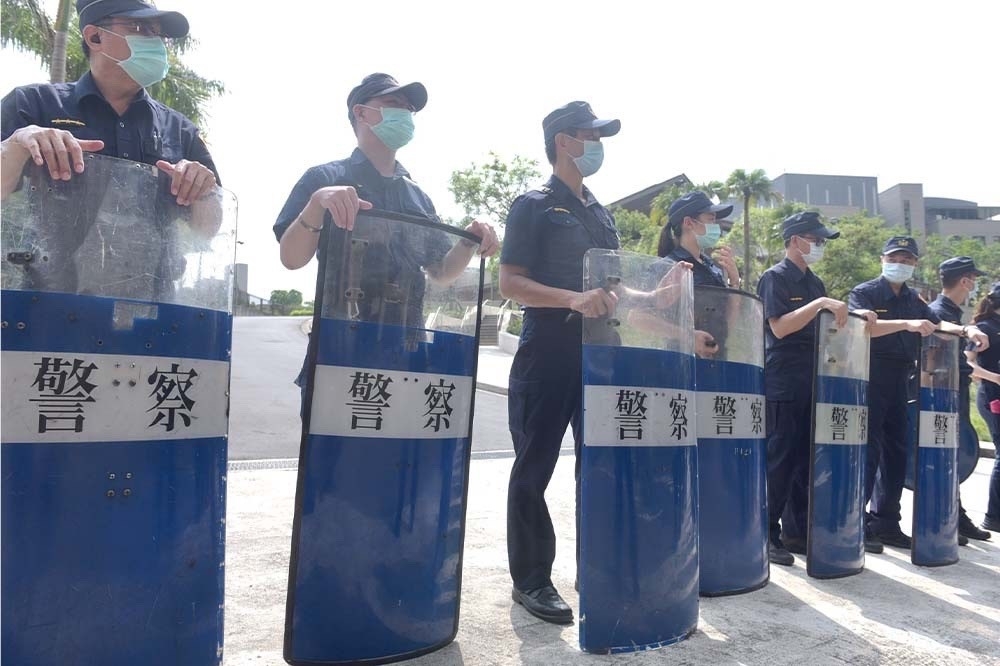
560, 210
68, 121
796, 298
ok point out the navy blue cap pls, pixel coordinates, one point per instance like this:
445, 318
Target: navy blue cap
958, 266
807, 222
577, 115
901, 244
994, 293
92, 12
695, 203
378, 84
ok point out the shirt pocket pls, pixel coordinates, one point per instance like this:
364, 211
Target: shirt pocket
562, 219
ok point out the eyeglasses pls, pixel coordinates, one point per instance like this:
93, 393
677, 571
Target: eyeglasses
819, 242
137, 28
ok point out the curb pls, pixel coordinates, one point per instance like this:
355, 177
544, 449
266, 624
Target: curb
491, 388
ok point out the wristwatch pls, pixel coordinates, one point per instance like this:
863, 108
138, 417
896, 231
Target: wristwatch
311, 228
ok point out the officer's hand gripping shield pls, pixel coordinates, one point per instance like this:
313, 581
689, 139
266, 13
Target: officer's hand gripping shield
935, 492
376, 561
732, 451
835, 544
638, 556
115, 339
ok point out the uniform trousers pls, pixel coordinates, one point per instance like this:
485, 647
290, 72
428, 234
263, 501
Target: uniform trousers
544, 396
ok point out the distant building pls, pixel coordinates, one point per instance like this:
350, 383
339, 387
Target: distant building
642, 201
904, 205
833, 196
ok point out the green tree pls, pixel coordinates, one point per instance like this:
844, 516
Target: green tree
855, 256
752, 187
937, 248
27, 28
490, 188
637, 231
767, 244
286, 301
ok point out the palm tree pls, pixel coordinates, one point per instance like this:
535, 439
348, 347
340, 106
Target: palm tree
27, 28
753, 186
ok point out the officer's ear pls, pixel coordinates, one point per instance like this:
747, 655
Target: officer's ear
91, 35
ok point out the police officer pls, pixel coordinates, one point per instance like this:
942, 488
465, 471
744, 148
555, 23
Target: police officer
381, 112
902, 319
108, 109
986, 367
690, 235
548, 231
958, 280
793, 295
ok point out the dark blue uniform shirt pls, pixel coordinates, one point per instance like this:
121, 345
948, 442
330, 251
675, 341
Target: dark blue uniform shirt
788, 366
147, 132
549, 230
705, 272
394, 265
877, 295
990, 358
946, 310
396, 193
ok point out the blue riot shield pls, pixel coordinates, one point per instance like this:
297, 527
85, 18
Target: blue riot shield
638, 563
376, 561
968, 438
732, 446
935, 492
835, 544
115, 342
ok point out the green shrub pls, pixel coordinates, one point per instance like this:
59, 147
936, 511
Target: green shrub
514, 324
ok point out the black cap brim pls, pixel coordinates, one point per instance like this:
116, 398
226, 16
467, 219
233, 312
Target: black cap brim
826, 232
415, 92
607, 127
900, 249
721, 210
172, 24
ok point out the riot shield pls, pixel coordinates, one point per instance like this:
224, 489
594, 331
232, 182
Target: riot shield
968, 438
376, 561
638, 563
935, 492
836, 539
732, 443
115, 340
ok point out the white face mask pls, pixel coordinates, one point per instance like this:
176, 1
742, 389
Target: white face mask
815, 253
897, 273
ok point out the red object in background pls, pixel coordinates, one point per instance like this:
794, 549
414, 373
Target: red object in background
995, 406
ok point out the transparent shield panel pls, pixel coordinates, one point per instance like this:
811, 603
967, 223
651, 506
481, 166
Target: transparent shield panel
400, 271
843, 352
728, 326
116, 231
655, 301
939, 362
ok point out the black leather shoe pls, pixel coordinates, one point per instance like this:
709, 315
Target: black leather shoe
895, 539
777, 554
968, 529
794, 545
963, 540
991, 524
872, 543
545, 604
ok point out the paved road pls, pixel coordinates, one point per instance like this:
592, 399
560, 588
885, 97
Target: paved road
264, 416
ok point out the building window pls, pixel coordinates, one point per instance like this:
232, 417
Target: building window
906, 217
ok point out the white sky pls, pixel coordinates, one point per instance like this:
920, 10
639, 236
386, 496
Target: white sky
892, 89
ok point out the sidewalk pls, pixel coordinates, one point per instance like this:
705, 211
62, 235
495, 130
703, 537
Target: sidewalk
892, 613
